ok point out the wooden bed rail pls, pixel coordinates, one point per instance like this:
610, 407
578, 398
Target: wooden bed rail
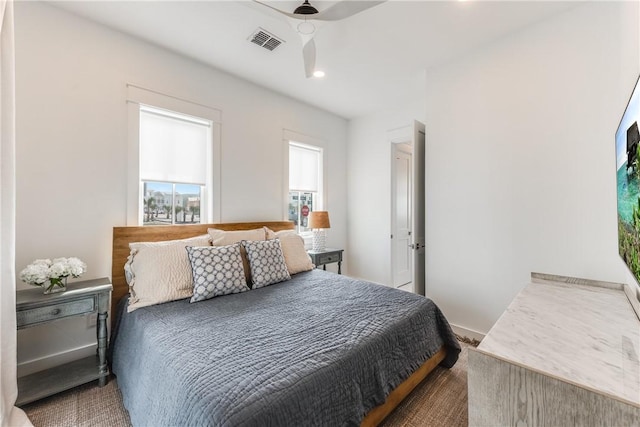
397, 395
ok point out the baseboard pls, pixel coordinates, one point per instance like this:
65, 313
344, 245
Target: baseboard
36, 365
465, 332
634, 298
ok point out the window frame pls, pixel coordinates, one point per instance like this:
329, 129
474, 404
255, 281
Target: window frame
303, 140
137, 97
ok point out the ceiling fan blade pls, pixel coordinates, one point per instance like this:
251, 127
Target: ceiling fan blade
309, 55
344, 9
290, 15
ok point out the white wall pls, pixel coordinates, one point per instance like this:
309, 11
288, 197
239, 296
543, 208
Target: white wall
521, 160
369, 188
72, 146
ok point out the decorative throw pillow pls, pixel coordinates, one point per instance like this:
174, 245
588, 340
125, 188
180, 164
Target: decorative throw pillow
223, 238
267, 262
159, 272
217, 270
295, 255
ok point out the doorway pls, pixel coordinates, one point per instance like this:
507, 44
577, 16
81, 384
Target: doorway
401, 213
408, 270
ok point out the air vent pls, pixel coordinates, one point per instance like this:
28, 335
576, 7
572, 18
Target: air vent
263, 38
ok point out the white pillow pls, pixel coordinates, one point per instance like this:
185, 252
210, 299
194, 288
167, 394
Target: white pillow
159, 272
295, 255
225, 238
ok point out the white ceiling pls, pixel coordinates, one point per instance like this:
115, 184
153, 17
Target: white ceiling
373, 60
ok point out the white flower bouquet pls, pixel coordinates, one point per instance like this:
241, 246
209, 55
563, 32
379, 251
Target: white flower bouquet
51, 274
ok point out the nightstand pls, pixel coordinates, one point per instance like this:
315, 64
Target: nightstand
80, 299
322, 258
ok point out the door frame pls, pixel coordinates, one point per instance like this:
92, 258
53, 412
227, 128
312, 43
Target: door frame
413, 134
420, 208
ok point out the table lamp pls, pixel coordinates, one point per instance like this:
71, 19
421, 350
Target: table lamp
318, 222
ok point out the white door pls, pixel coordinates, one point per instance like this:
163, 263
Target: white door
401, 215
419, 208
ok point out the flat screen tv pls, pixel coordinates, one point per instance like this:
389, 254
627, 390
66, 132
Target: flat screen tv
628, 184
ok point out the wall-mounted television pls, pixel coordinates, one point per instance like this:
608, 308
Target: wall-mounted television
628, 183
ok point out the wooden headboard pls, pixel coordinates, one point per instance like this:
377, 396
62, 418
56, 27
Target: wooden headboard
122, 236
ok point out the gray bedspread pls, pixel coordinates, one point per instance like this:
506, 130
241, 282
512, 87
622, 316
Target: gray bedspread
318, 350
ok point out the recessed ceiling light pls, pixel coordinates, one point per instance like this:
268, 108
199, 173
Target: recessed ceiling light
318, 74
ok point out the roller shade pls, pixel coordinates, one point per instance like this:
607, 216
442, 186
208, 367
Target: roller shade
173, 148
304, 168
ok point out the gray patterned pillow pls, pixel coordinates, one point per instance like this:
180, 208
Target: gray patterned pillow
217, 270
267, 262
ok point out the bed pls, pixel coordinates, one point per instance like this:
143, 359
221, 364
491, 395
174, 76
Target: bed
318, 349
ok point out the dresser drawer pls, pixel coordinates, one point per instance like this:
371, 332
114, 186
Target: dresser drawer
55, 311
327, 258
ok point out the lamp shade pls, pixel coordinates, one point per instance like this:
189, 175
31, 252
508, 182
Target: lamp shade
319, 219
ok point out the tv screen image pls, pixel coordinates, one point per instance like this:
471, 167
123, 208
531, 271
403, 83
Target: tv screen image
628, 184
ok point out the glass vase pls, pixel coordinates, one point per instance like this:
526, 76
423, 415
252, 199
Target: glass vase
53, 286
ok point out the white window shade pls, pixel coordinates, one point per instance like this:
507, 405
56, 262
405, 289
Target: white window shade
304, 168
173, 148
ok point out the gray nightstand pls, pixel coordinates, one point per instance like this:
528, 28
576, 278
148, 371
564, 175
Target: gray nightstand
327, 256
80, 299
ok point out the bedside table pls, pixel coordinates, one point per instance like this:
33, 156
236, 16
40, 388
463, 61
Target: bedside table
327, 256
81, 298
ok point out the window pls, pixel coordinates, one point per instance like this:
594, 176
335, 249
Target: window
158, 208
174, 160
305, 183
173, 166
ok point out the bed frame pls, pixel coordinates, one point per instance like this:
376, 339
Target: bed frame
122, 236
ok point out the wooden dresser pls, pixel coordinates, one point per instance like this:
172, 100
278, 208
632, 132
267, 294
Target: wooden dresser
565, 352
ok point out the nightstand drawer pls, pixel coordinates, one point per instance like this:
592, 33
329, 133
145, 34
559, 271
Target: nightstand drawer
326, 256
52, 312
325, 259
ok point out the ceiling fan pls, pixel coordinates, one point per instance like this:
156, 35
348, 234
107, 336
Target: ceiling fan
306, 20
